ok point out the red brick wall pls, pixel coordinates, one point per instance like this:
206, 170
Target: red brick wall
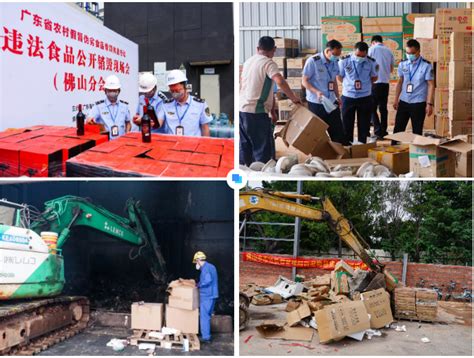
265, 275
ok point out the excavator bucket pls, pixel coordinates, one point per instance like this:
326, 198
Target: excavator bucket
150, 249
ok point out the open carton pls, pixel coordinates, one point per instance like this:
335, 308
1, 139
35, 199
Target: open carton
280, 330
183, 294
308, 133
431, 157
341, 319
298, 314
377, 303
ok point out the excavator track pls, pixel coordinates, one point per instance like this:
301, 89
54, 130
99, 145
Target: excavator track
27, 328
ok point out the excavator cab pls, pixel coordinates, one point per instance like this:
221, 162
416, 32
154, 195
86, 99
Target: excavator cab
10, 213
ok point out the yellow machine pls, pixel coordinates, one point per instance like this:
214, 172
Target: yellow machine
278, 202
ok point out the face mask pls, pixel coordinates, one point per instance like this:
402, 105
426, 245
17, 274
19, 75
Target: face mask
198, 267
112, 96
334, 58
177, 95
411, 57
359, 59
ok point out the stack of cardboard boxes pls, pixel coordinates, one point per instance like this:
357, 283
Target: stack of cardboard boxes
345, 29
446, 41
182, 310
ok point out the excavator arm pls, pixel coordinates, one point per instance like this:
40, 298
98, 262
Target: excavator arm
62, 214
278, 202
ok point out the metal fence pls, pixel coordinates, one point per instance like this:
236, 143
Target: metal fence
302, 21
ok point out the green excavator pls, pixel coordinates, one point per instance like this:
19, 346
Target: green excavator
32, 311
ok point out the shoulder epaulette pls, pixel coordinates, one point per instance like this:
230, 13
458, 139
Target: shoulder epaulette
197, 99
99, 102
344, 57
162, 96
426, 60
168, 100
123, 102
371, 58
316, 57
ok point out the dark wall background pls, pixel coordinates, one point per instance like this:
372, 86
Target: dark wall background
186, 217
178, 33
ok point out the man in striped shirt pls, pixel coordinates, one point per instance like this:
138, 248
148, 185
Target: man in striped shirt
257, 101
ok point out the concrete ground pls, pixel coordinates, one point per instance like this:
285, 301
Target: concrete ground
446, 339
92, 342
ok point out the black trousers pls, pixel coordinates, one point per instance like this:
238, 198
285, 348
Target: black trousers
406, 111
363, 107
380, 97
256, 138
333, 120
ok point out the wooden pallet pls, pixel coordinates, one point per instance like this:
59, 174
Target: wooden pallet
173, 341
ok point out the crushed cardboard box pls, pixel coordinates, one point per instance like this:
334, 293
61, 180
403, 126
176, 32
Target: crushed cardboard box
285, 288
266, 299
377, 303
295, 316
281, 330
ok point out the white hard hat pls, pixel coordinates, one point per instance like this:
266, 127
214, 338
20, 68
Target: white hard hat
112, 83
176, 76
146, 82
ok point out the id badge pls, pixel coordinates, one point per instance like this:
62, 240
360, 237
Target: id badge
179, 130
114, 131
331, 86
409, 87
358, 85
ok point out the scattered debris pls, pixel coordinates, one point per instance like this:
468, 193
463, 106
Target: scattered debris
298, 345
117, 344
425, 340
400, 328
373, 332
146, 346
248, 338
285, 288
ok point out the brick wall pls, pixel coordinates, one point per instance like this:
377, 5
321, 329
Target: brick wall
265, 275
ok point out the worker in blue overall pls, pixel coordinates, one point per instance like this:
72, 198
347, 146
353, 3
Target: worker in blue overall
415, 90
357, 73
208, 293
112, 113
184, 114
147, 87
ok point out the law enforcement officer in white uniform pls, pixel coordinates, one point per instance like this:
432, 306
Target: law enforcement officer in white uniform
184, 114
357, 72
148, 90
112, 113
415, 90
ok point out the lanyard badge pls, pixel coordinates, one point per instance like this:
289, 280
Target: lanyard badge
114, 131
180, 130
410, 86
357, 82
331, 86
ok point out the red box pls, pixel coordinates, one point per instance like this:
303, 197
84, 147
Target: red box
227, 161
175, 156
187, 144
211, 160
187, 170
222, 172
157, 153
10, 159
21, 137
210, 148
41, 160
142, 166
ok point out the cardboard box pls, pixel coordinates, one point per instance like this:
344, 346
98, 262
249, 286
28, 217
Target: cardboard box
294, 72
460, 75
183, 294
442, 74
453, 20
280, 330
409, 22
340, 282
463, 152
340, 24
281, 42
461, 49
359, 150
297, 63
298, 314
392, 40
339, 320
424, 28
382, 24
377, 303
187, 321
342, 266
347, 39
284, 109
443, 49
460, 105
460, 127
294, 82
428, 156
147, 316
391, 281
441, 101
442, 125
394, 157
429, 49
280, 61
307, 132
